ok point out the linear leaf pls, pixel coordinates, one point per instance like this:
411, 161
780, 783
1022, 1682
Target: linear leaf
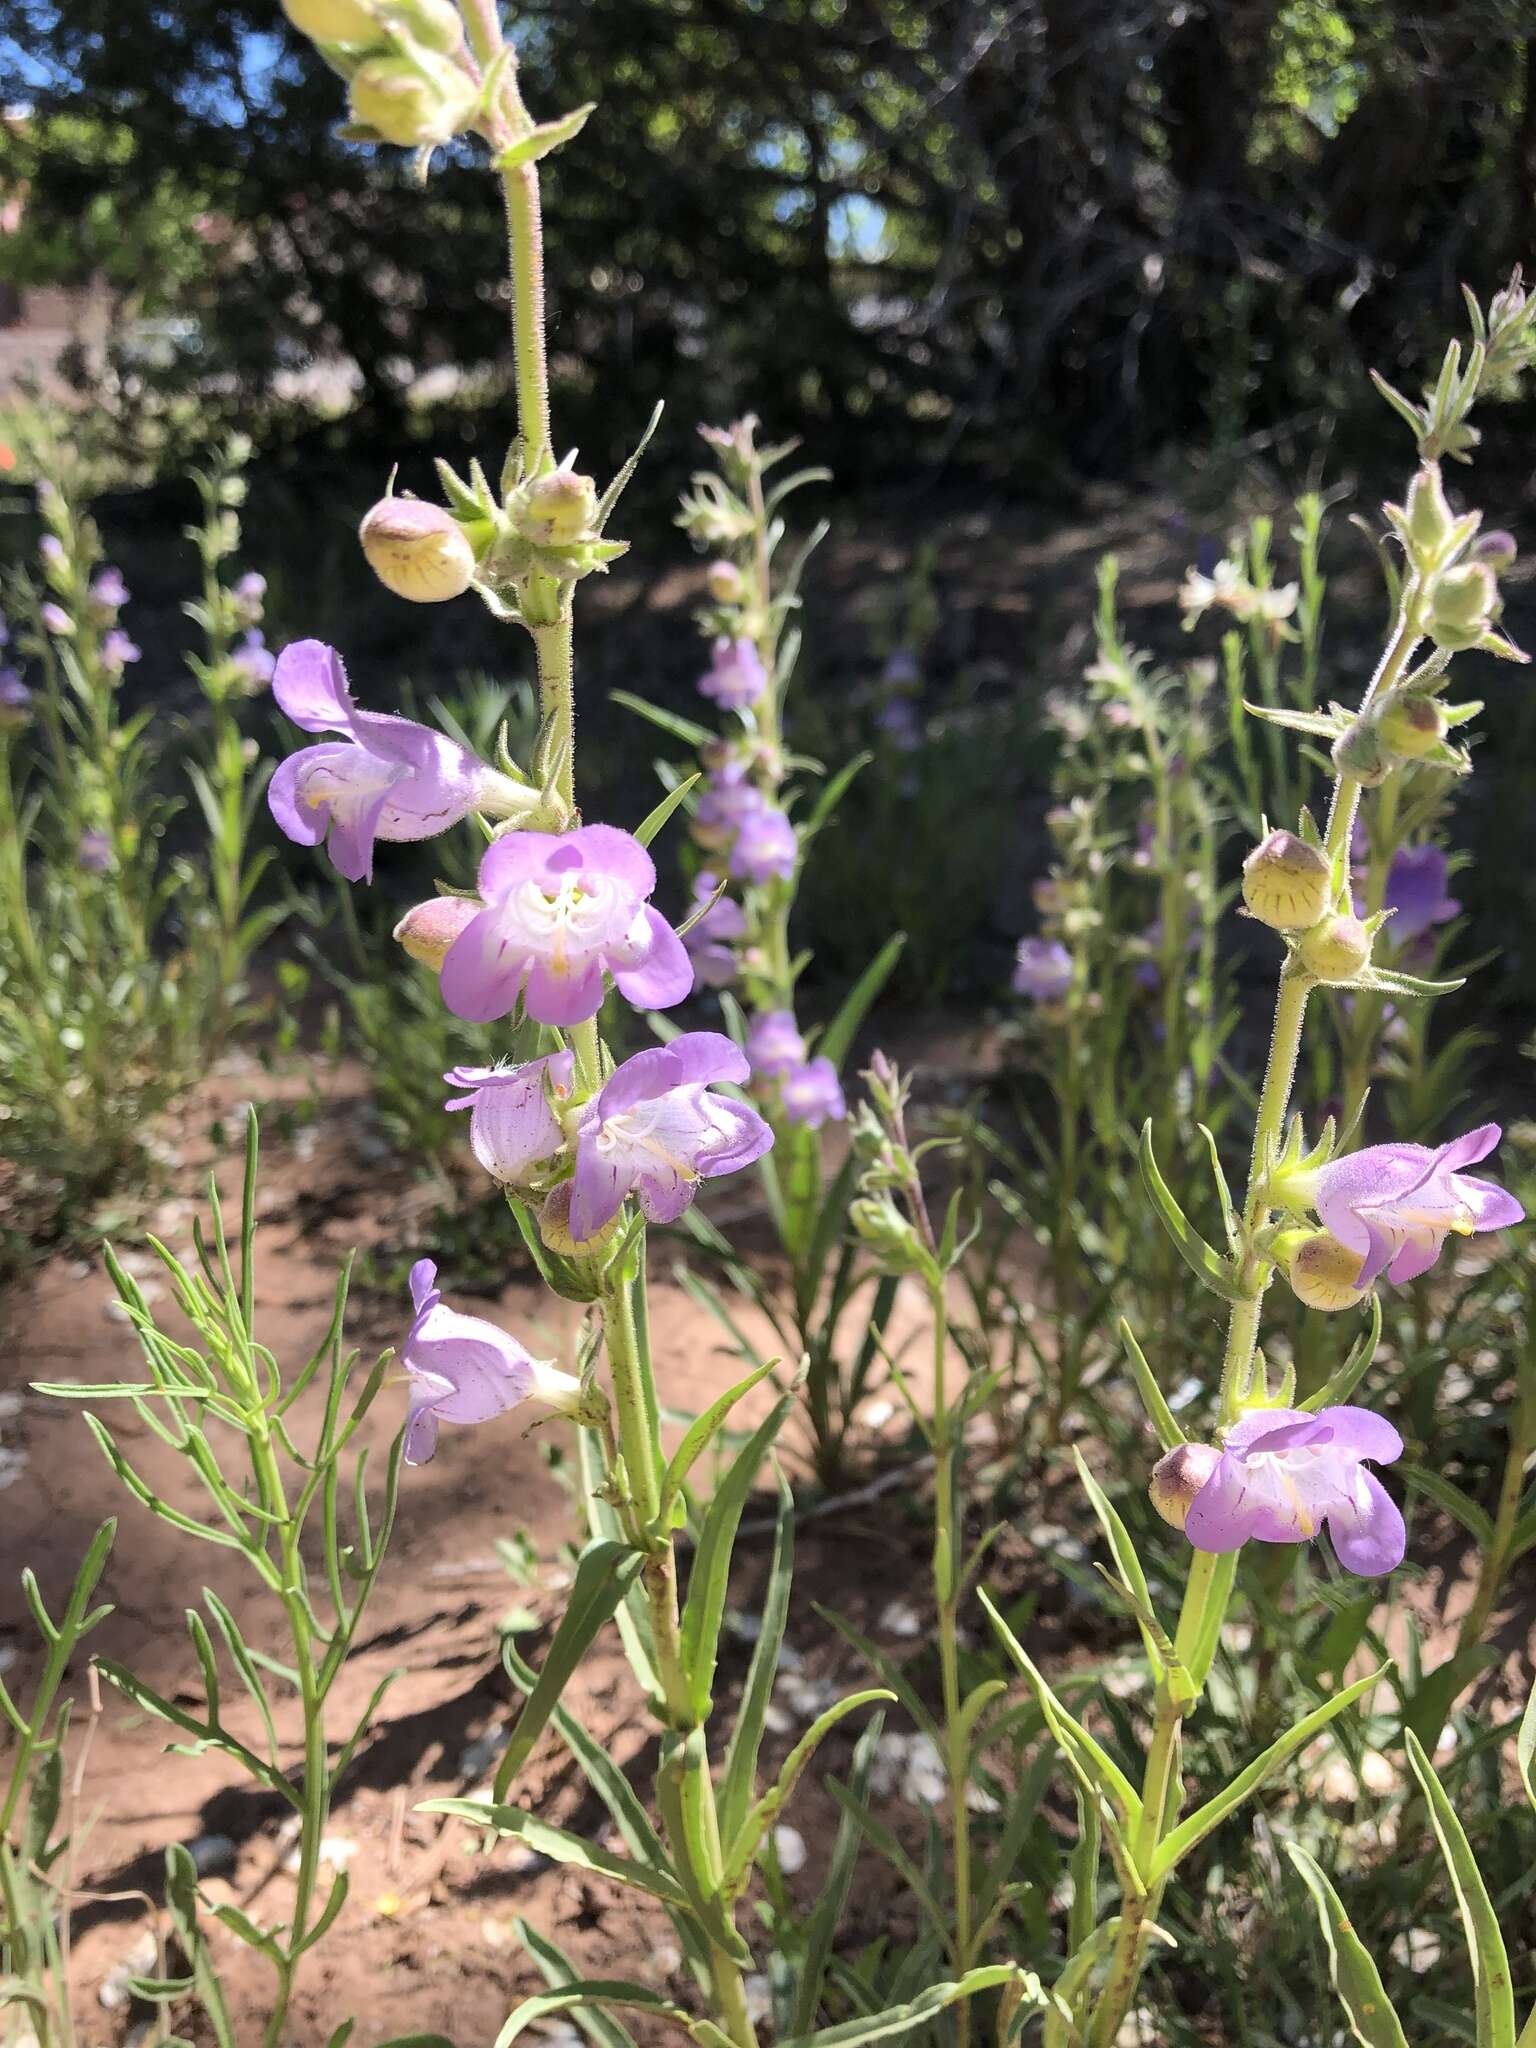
654, 819
841, 1032
1372, 2018
700, 1434
739, 1777
763, 1815
900, 2019
707, 1581
559, 1974
598, 1991
881, 1839
821, 1928
1202, 1261
1159, 1414
560, 1845
685, 729
1495, 1996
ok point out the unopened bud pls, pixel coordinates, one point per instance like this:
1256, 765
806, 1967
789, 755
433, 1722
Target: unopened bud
1325, 1274
1428, 520
1178, 1477
1286, 882
416, 101
1337, 949
1463, 603
725, 582
428, 929
1360, 753
435, 24
556, 509
887, 1232
1412, 727
555, 1225
334, 21
1496, 550
417, 550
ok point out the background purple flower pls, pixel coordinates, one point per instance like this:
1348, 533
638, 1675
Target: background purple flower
656, 1131
14, 693
811, 1094
765, 847
56, 620
390, 778
735, 677
1396, 1204
561, 911
94, 852
1042, 970
1283, 1473
725, 800
117, 650
50, 550
774, 1044
254, 660
460, 1368
713, 932
109, 590
1416, 890
512, 1121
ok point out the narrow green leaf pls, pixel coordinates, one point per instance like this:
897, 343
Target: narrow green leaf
704, 1607
821, 1928
699, 1435
682, 1793
653, 820
598, 1991
1495, 1998
599, 2026
547, 136
560, 1845
1202, 1261
884, 1842
1446, 1494
832, 795
888, 1669
1372, 2018
738, 1780
839, 1035
744, 1846
1177, 1845
1159, 1414
1343, 1383
901, 2019
604, 1573
686, 729
1132, 1577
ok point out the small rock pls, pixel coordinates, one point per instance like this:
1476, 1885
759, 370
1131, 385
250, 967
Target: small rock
336, 1850
10, 1406
789, 1847
212, 1854
1418, 1949
477, 1756
759, 1998
900, 1619
138, 1961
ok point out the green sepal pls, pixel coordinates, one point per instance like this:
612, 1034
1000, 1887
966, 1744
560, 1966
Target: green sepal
547, 136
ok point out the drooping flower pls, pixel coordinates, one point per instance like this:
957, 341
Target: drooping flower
812, 1093
765, 847
774, 1044
1283, 1473
656, 1130
254, 661
389, 778
117, 650
736, 677
1395, 1205
514, 1123
561, 911
1416, 891
713, 932
463, 1369
56, 621
50, 551
1042, 970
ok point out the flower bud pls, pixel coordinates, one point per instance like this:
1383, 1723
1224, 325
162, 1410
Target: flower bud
1286, 882
434, 24
417, 550
1359, 753
428, 929
555, 1225
334, 21
1412, 727
1427, 519
1463, 603
1178, 1477
416, 101
1337, 949
889, 1234
1496, 550
1325, 1274
556, 509
725, 583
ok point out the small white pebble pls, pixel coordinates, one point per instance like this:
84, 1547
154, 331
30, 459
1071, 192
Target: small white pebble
789, 1846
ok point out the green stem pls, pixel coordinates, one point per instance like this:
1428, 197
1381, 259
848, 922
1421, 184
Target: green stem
1495, 1559
948, 1539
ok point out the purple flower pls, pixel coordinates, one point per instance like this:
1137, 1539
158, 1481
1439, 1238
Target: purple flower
117, 650
109, 591
57, 621
1396, 1204
254, 660
901, 671
1042, 970
713, 932
513, 1124
725, 800
656, 1131
735, 677
899, 722
50, 550
765, 846
5, 631
14, 694
1283, 1473
561, 911
390, 778
462, 1369
94, 852
774, 1044
1416, 891
812, 1093
249, 592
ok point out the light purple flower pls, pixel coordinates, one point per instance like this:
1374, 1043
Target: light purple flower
5, 631
14, 694
50, 550
94, 852
254, 659
725, 800
774, 1044
1283, 1473
656, 1131
1042, 970
561, 911
108, 590
899, 722
765, 846
812, 1093
712, 934
117, 650
390, 778
1416, 891
1396, 1204
249, 592
462, 1369
901, 671
513, 1120
735, 677
57, 621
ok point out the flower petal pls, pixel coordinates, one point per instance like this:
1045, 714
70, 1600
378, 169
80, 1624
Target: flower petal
1224, 1513
1363, 1434
481, 971
563, 999
665, 975
310, 686
1368, 1533
302, 822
